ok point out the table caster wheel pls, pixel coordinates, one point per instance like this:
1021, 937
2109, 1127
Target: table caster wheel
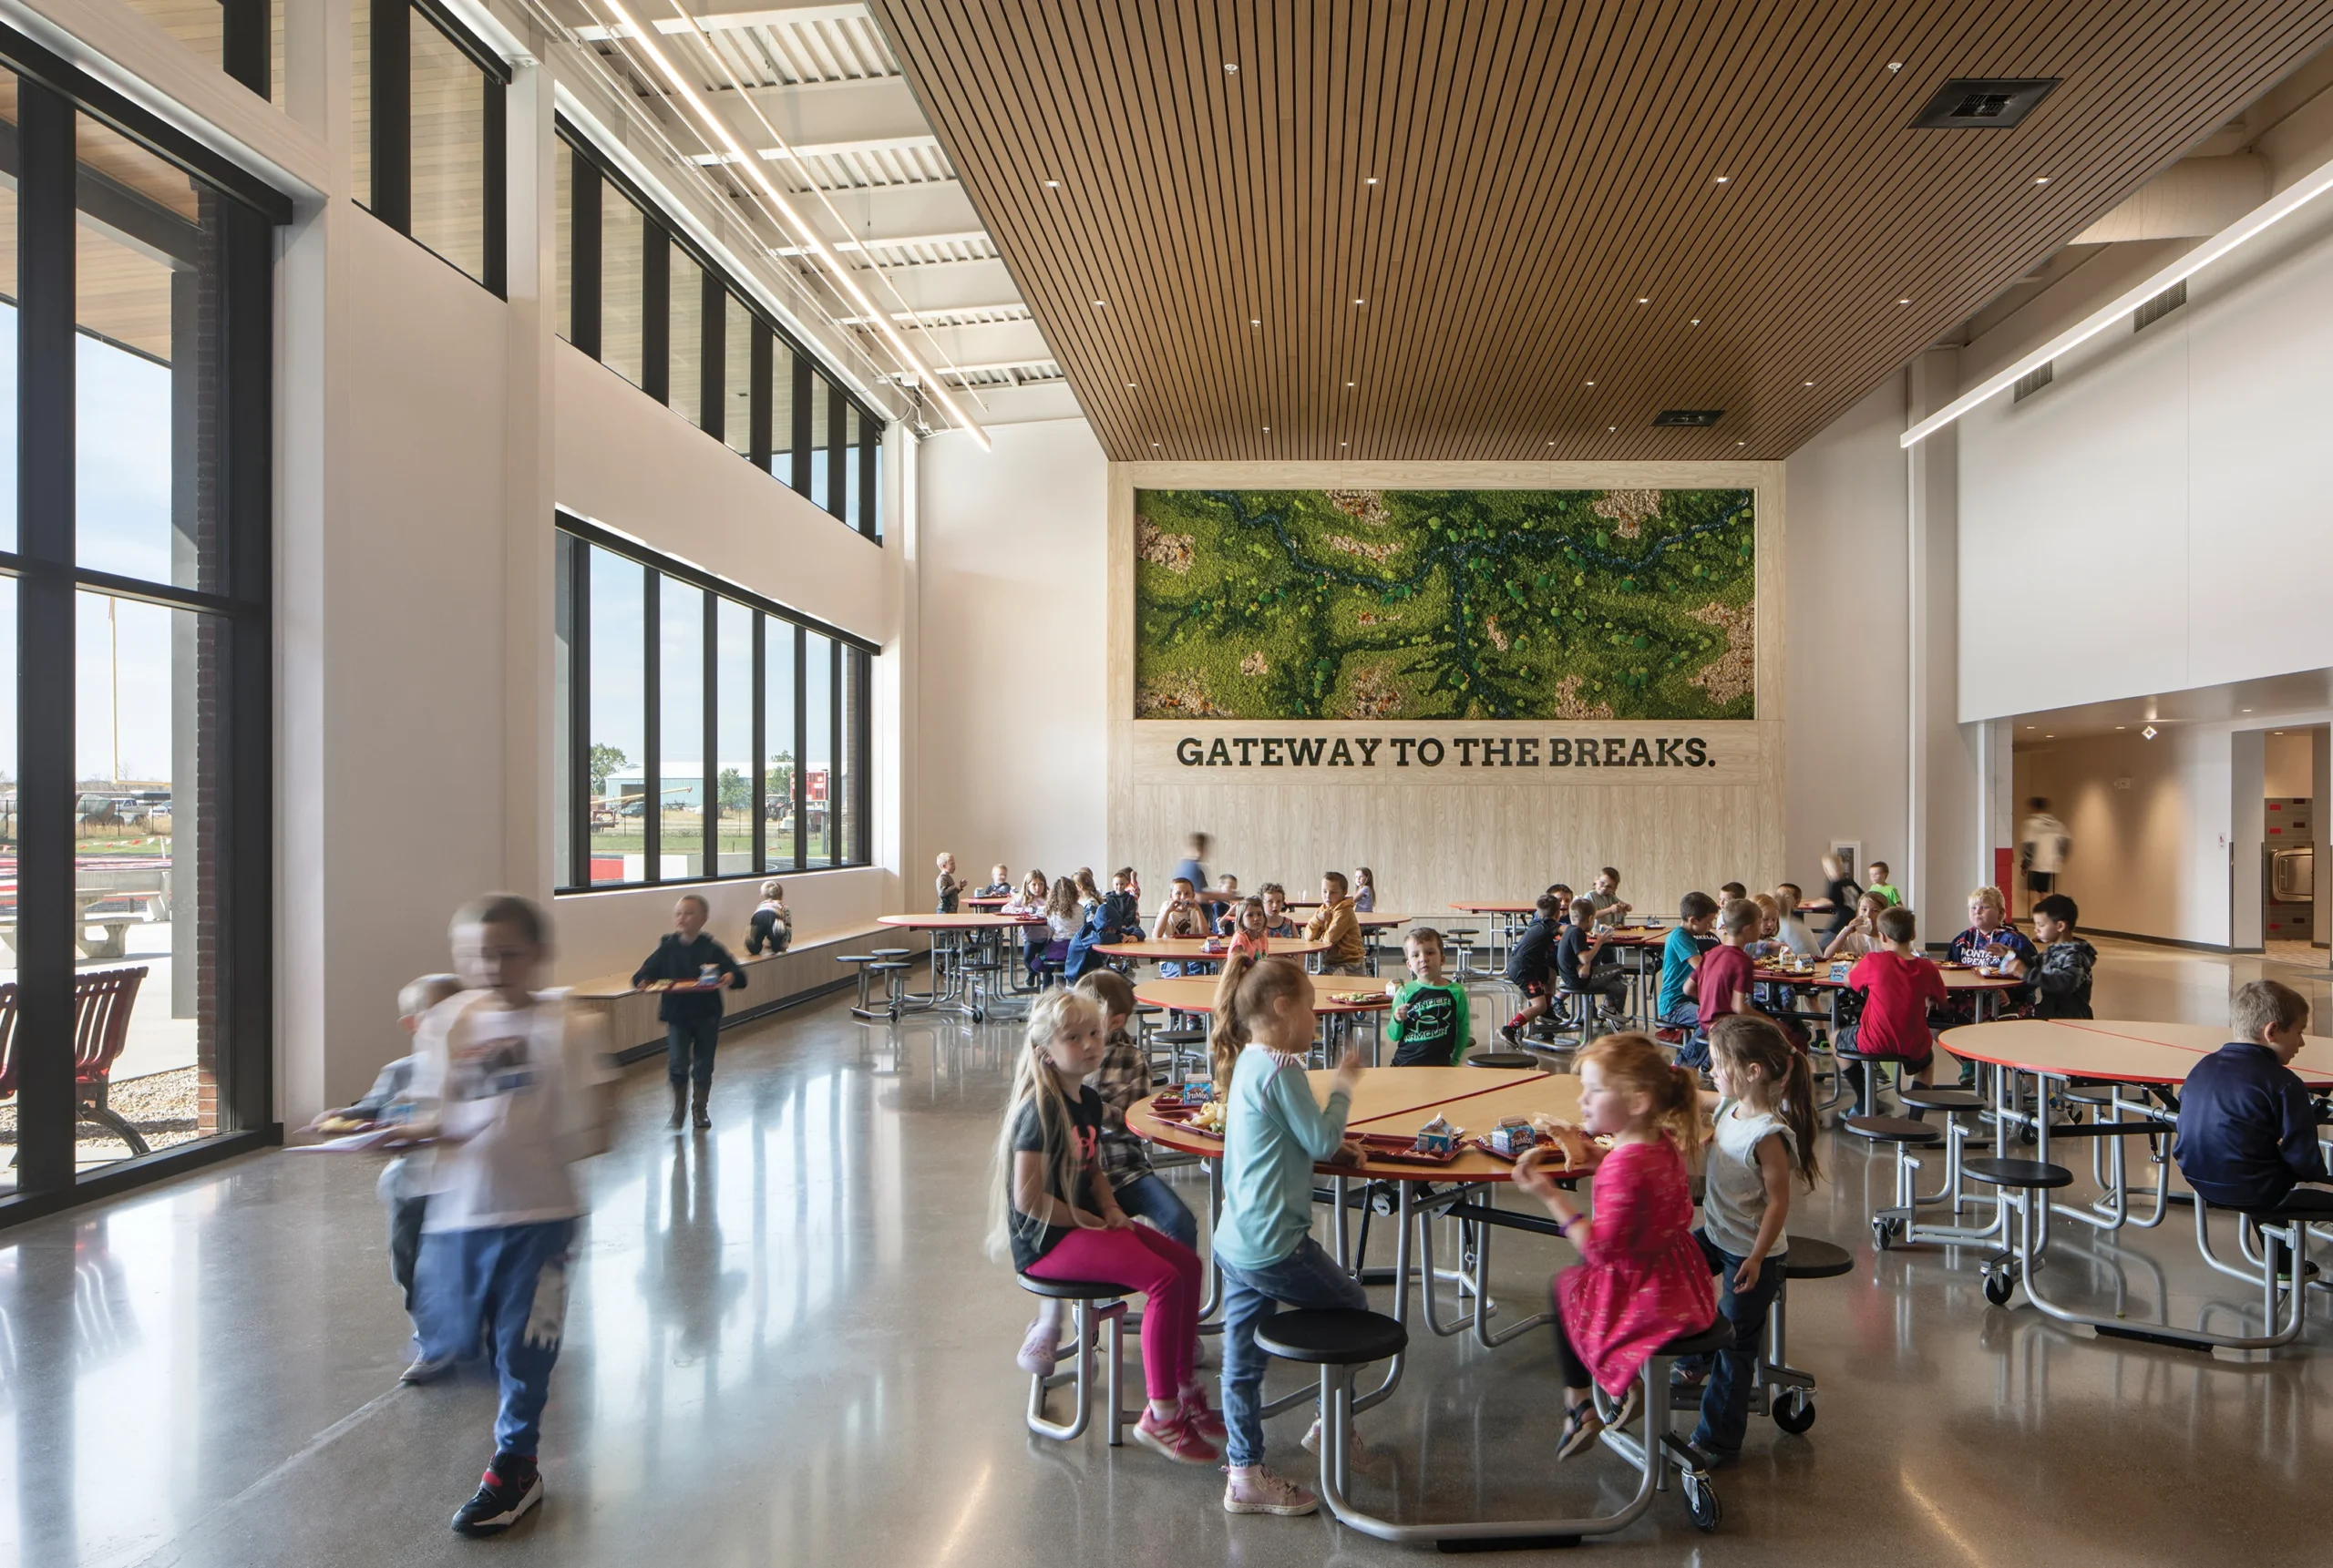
1701, 1501
1795, 1411
1999, 1285
1883, 1235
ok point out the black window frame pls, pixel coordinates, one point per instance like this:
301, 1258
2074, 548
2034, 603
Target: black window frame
391, 134
238, 598
850, 473
573, 775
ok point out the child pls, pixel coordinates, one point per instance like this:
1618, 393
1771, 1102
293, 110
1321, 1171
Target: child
2062, 983
1364, 893
1180, 917
1530, 967
1681, 957
405, 1180
2247, 1132
1225, 917
511, 1090
1274, 1134
1191, 867
1641, 1280
1249, 929
1031, 901
1993, 945
1123, 1078
1336, 924
1088, 894
1430, 1026
1000, 883
1900, 984
1563, 895
771, 927
1582, 970
690, 1010
1762, 1134
1047, 1162
1796, 937
1727, 892
1722, 982
1880, 884
1276, 921
1840, 894
1063, 914
1113, 918
1605, 893
1767, 941
1862, 933
946, 884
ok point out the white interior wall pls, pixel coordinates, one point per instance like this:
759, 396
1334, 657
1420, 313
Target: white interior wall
2289, 768
2154, 856
1010, 699
1847, 661
2157, 510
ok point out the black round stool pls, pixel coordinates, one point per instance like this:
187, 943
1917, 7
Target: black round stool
1904, 1133
1513, 1059
1790, 1393
1088, 1300
1336, 1339
2024, 1178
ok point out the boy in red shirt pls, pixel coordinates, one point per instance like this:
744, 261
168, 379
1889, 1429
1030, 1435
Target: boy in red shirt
1720, 986
1898, 986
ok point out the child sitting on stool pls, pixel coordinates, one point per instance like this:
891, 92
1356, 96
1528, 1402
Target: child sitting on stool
2247, 1132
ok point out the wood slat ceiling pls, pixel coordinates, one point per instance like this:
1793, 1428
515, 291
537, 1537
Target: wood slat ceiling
1541, 167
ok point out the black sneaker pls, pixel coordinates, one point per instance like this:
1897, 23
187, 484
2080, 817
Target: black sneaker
1509, 1036
513, 1486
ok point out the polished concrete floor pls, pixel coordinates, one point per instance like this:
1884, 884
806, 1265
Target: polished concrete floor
787, 1346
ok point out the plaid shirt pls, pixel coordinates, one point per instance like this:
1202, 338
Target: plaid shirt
1123, 1078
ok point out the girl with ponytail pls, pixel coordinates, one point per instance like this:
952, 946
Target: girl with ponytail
1641, 1281
1275, 1129
1764, 1135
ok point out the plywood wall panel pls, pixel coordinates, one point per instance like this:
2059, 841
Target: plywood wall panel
1432, 844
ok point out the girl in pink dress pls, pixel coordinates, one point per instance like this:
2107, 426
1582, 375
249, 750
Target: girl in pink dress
1641, 1280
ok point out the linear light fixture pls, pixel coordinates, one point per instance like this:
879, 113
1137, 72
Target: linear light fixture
645, 42
2244, 229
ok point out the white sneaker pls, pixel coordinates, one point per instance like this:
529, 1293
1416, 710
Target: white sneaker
1038, 1351
426, 1369
1261, 1491
1362, 1457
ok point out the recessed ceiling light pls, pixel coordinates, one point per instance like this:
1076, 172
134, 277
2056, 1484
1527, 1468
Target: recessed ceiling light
2050, 735
1588, 384
1696, 322
2041, 179
1153, 446
1129, 386
1903, 302
1255, 324
2121, 726
1721, 180
1647, 300
1551, 444
1741, 444
1344, 443
2276, 732
2247, 709
2150, 732
1361, 301
1895, 64
1611, 427
1370, 181
1268, 430
2032, 726
1231, 67
1810, 384
1348, 384
1052, 185
1098, 304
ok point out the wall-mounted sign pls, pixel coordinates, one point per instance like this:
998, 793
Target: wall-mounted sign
1619, 753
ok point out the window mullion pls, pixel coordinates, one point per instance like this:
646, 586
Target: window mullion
835, 855
801, 752
579, 728
707, 772
655, 309
652, 783
759, 848
584, 255
391, 197
497, 198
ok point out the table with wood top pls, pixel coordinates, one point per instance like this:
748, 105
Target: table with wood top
1195, 949
951, 936
1398, 1101
2153, 1059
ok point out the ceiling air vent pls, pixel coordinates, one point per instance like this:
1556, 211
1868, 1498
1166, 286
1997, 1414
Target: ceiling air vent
1692, 418
2162, 305
2033, 381
1983, 103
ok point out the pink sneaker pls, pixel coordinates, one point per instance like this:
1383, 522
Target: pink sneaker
1176, 1439
1203, 1417
1259, 1491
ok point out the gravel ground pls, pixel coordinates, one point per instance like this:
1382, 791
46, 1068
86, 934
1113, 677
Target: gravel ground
161, 1106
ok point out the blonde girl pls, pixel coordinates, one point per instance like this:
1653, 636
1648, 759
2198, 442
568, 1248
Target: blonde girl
1640, 1281
1088, 894
1054, 1211
1860, 934
771, 925
1275, 1131
1761, 1137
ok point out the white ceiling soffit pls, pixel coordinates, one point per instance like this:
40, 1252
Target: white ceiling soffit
815, 93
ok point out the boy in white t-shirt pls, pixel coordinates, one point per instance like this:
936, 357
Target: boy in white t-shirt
509, 1090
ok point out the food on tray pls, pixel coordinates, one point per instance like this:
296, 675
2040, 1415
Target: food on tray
1209, 1118
342, 1123
1437, 1137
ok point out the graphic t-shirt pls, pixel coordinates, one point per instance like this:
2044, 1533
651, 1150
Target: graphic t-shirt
1436, 1031
1032, 1238
511, 1090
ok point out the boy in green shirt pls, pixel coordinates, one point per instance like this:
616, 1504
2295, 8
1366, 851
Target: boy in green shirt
1430, 1027
1879, 884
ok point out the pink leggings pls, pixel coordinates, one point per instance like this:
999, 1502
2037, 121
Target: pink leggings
1164, 1270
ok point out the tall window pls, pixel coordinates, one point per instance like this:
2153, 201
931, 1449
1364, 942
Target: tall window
645, 302
136, 824
428, 111
703, 731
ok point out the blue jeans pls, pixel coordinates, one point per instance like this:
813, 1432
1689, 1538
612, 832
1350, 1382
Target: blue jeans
1306, 1278
1725, 1400
685, 1037
1148, 1198
504, 1288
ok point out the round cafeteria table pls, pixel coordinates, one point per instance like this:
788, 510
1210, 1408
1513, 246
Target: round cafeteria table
1195, 949
2154, 1057
951, 935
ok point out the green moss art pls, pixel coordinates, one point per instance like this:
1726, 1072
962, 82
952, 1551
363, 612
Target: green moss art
1446, 604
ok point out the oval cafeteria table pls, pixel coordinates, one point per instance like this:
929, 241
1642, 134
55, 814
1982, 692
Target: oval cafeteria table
1398, 1101
950, 934
2155, 1057
1337, 998
1195, 949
